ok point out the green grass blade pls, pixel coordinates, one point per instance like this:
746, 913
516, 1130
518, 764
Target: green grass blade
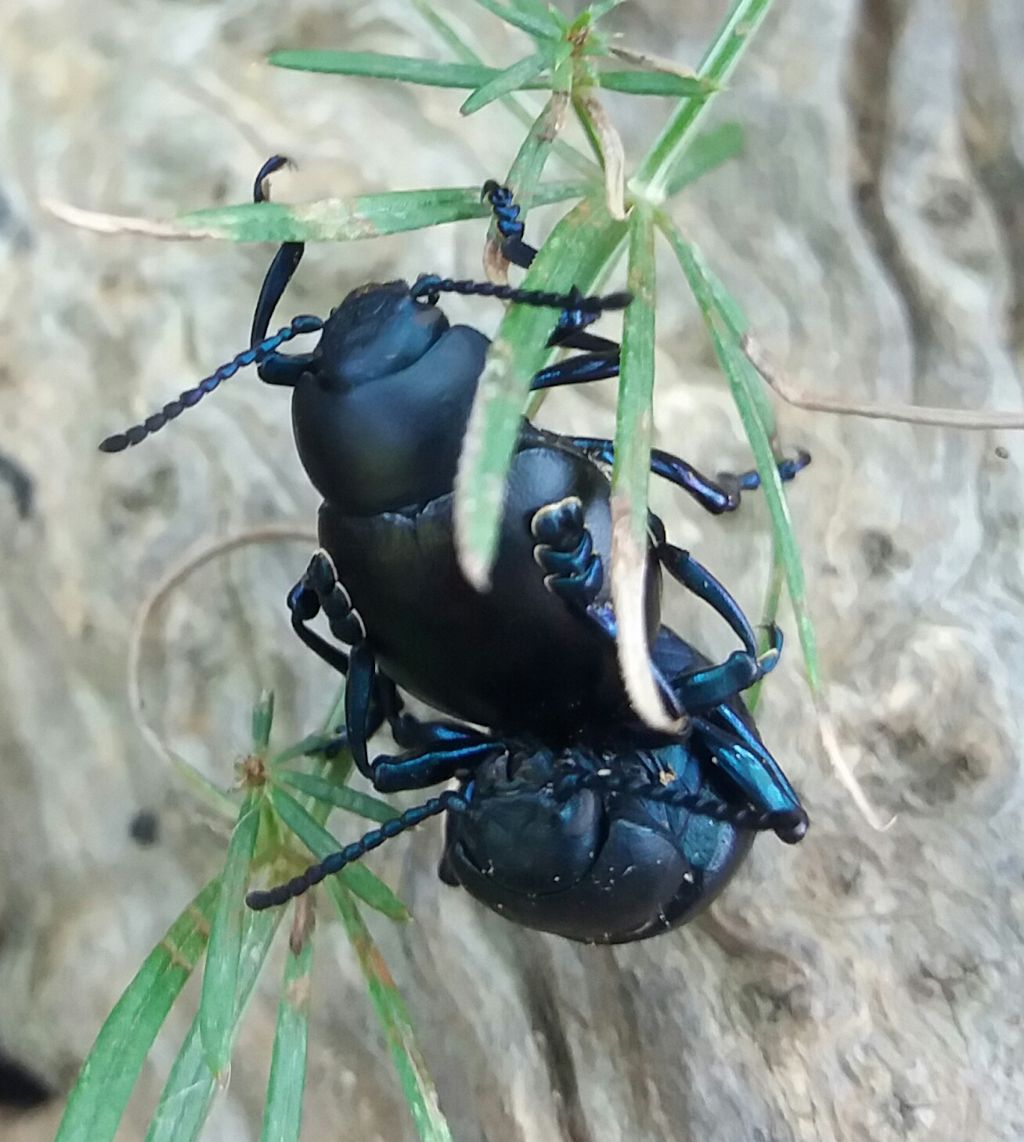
108, 1075
583, 245
707, 151
372, 65
282, 1111
262, 720
357, 877
743, 381
456, 42
309, 746
654, 83
340, 796
527, 18
769, 613
220, 979
417, 1086
631, 473
349, 220
532, 156
517, 76
657, 167
188, 1092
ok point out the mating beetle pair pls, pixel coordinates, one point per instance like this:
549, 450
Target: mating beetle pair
379, 408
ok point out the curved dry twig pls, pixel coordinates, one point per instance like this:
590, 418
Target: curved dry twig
199, 557
905, 413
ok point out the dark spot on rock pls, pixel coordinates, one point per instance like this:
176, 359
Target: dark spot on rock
144, 829
1002, 453
881, 553
19, 1087
950, 205
160, 492
21, 484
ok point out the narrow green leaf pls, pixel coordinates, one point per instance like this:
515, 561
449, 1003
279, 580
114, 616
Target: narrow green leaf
528, 165
188, 1092
108, 1075
346, 220
583, 245
633, 426
655, 83
466, 53
657, 167
631, 475
357, 877
544, 13
707, 151
417, 1085
769, 613
373, 65
308, 746
743, 380
262, 720
282, 1111
340, 796
527, 18
220, 979
513, 78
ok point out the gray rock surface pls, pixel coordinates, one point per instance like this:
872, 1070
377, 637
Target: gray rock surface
866, 985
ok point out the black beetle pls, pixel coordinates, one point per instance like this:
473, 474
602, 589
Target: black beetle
379, 407
601, 843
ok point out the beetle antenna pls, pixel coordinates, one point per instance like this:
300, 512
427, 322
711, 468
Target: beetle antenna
254, 356
789, 824
281, 893
429, 285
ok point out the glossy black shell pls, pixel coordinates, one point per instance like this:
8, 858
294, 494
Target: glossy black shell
600, 868
379, 425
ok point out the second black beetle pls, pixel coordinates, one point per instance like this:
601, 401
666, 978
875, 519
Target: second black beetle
601, 842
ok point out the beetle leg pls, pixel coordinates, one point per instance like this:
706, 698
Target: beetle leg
284, 263
718, 495
710, 686
745, 761
577, 371
568, 332
575, 572
782, 815
318, 590
462, 750
510, 227
565, 551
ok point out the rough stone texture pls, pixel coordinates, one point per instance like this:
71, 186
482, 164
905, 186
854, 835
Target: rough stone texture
863, 986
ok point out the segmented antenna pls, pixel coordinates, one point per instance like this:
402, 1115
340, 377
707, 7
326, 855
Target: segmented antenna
282, 893
430, 285
190, 397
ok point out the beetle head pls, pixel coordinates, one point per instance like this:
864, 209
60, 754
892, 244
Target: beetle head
378, 330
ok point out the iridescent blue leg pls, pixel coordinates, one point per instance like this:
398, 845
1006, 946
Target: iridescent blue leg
602, 358
565, 552
575, 572
716, 496
319, 589
706, 687
751, 768
462, 751
782, 821
280, 368
282, 893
